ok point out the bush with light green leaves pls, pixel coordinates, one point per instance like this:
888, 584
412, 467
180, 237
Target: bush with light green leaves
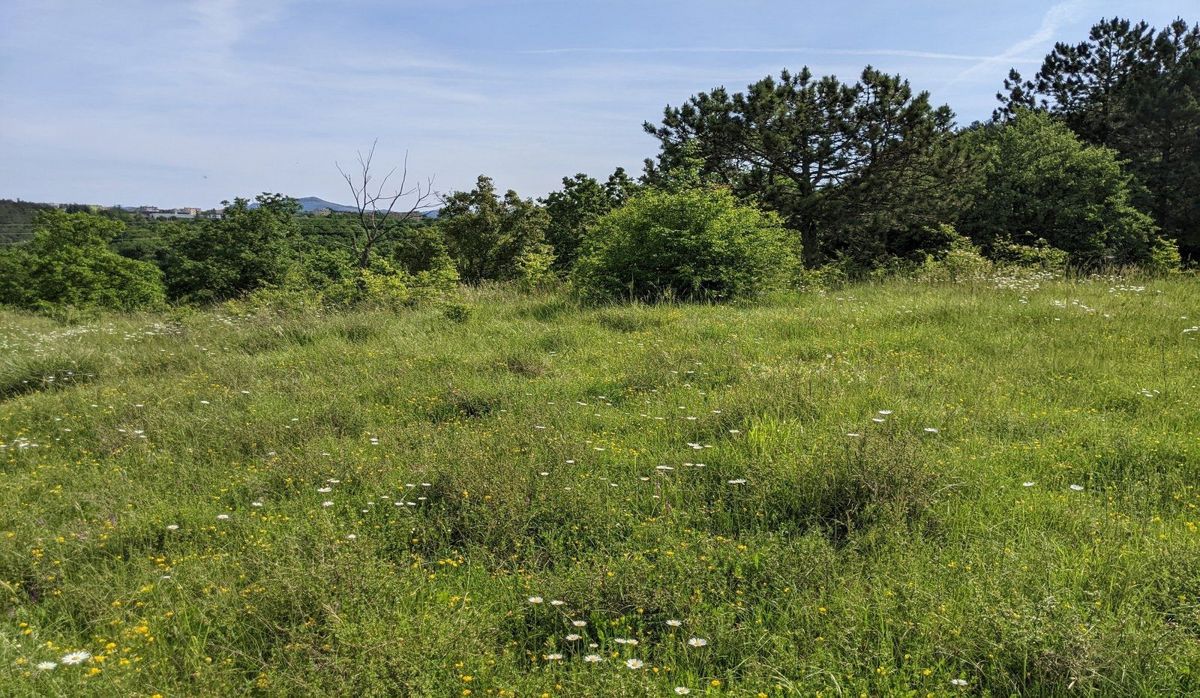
694, 244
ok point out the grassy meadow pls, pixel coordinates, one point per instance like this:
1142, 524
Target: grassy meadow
900, 488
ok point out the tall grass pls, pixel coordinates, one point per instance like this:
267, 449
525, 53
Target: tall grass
981, 488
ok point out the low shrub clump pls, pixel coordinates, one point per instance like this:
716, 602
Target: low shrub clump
380, 286
1039, 255
694, 244
961, 261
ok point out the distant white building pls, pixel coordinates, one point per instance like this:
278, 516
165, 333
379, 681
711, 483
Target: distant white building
173, 213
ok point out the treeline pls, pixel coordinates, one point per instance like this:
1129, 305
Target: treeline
1093, 163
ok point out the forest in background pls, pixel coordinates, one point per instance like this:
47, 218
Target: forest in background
1092, 163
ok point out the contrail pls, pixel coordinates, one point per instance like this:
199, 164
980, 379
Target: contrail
1055, 18
904, 53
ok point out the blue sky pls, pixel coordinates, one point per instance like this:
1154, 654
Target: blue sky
186, 103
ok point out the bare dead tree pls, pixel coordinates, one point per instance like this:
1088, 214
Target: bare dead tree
380, 211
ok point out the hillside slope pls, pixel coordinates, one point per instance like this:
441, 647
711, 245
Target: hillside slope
959, 489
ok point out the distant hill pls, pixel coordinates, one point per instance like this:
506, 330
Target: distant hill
312, 204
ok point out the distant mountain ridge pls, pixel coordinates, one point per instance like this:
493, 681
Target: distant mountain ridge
312, 204
18, 212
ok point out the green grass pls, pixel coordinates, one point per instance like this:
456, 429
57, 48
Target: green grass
517, 455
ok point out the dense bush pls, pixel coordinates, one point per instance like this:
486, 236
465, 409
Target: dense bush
418, 247
334, 284
581, 201
248, 248
13, 272
690, 244
960, 261
492, 238
1042, 182
1038, 255
69, 263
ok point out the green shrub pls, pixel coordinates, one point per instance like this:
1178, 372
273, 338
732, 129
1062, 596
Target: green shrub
434, 283
381, 286
488, 236
1041, 178
14, 276
696, 244
960, 262
247, 249
69, 263
535, 270
1038, 255
456, 312
581, 201
1164, 257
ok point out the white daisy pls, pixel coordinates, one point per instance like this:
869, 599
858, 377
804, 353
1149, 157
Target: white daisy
1077, 488
674, 623
634, 663
682, 690
223, 517
76, 657
579, 623
593, 658
697, 642
535, 599
46, 666
573, 637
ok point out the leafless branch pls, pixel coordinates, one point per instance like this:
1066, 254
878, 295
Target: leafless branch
377, 206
